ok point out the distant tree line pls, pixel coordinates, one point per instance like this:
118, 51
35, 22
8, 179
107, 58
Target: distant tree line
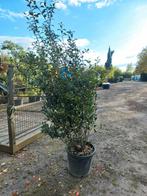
25, 66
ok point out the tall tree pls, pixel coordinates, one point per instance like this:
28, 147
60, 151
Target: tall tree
142, 62
129, 68
108, 63
14, 51
14, 54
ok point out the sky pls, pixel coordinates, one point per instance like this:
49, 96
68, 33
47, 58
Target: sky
98, 24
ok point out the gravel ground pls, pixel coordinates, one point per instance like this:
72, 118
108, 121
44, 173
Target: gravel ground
119, 167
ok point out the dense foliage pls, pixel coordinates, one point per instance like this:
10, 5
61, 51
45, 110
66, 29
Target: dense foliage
112, 75
12, 53
129, 71
142, 62
61, 73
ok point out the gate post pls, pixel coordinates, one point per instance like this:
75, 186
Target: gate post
11, 109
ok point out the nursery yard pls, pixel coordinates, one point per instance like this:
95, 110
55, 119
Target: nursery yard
119, 167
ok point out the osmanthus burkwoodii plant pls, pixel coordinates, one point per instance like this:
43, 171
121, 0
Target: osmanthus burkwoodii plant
63, 75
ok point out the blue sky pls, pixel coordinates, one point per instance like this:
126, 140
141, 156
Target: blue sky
98, 24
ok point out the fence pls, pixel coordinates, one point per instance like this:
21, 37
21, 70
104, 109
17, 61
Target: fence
3, 123
20, 118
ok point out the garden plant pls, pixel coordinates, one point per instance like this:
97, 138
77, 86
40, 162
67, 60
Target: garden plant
68, 82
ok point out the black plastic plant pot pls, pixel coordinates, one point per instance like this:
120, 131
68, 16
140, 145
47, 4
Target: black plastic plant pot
18, 102
79, 166
34, 99
105, 85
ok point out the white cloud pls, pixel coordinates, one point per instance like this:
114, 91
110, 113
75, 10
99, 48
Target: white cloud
87, 1
98, 3
104, 3
101, 4
92, 55
25, 42
74, 2
10, 15
79, 2
82, 42
60, 5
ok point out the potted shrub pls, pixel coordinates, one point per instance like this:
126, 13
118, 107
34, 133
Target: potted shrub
70, 106
106, 85
68, 84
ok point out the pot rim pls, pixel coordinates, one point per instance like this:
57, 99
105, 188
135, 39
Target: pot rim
82, 156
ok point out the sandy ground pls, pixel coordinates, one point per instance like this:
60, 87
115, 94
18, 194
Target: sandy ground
119, 167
